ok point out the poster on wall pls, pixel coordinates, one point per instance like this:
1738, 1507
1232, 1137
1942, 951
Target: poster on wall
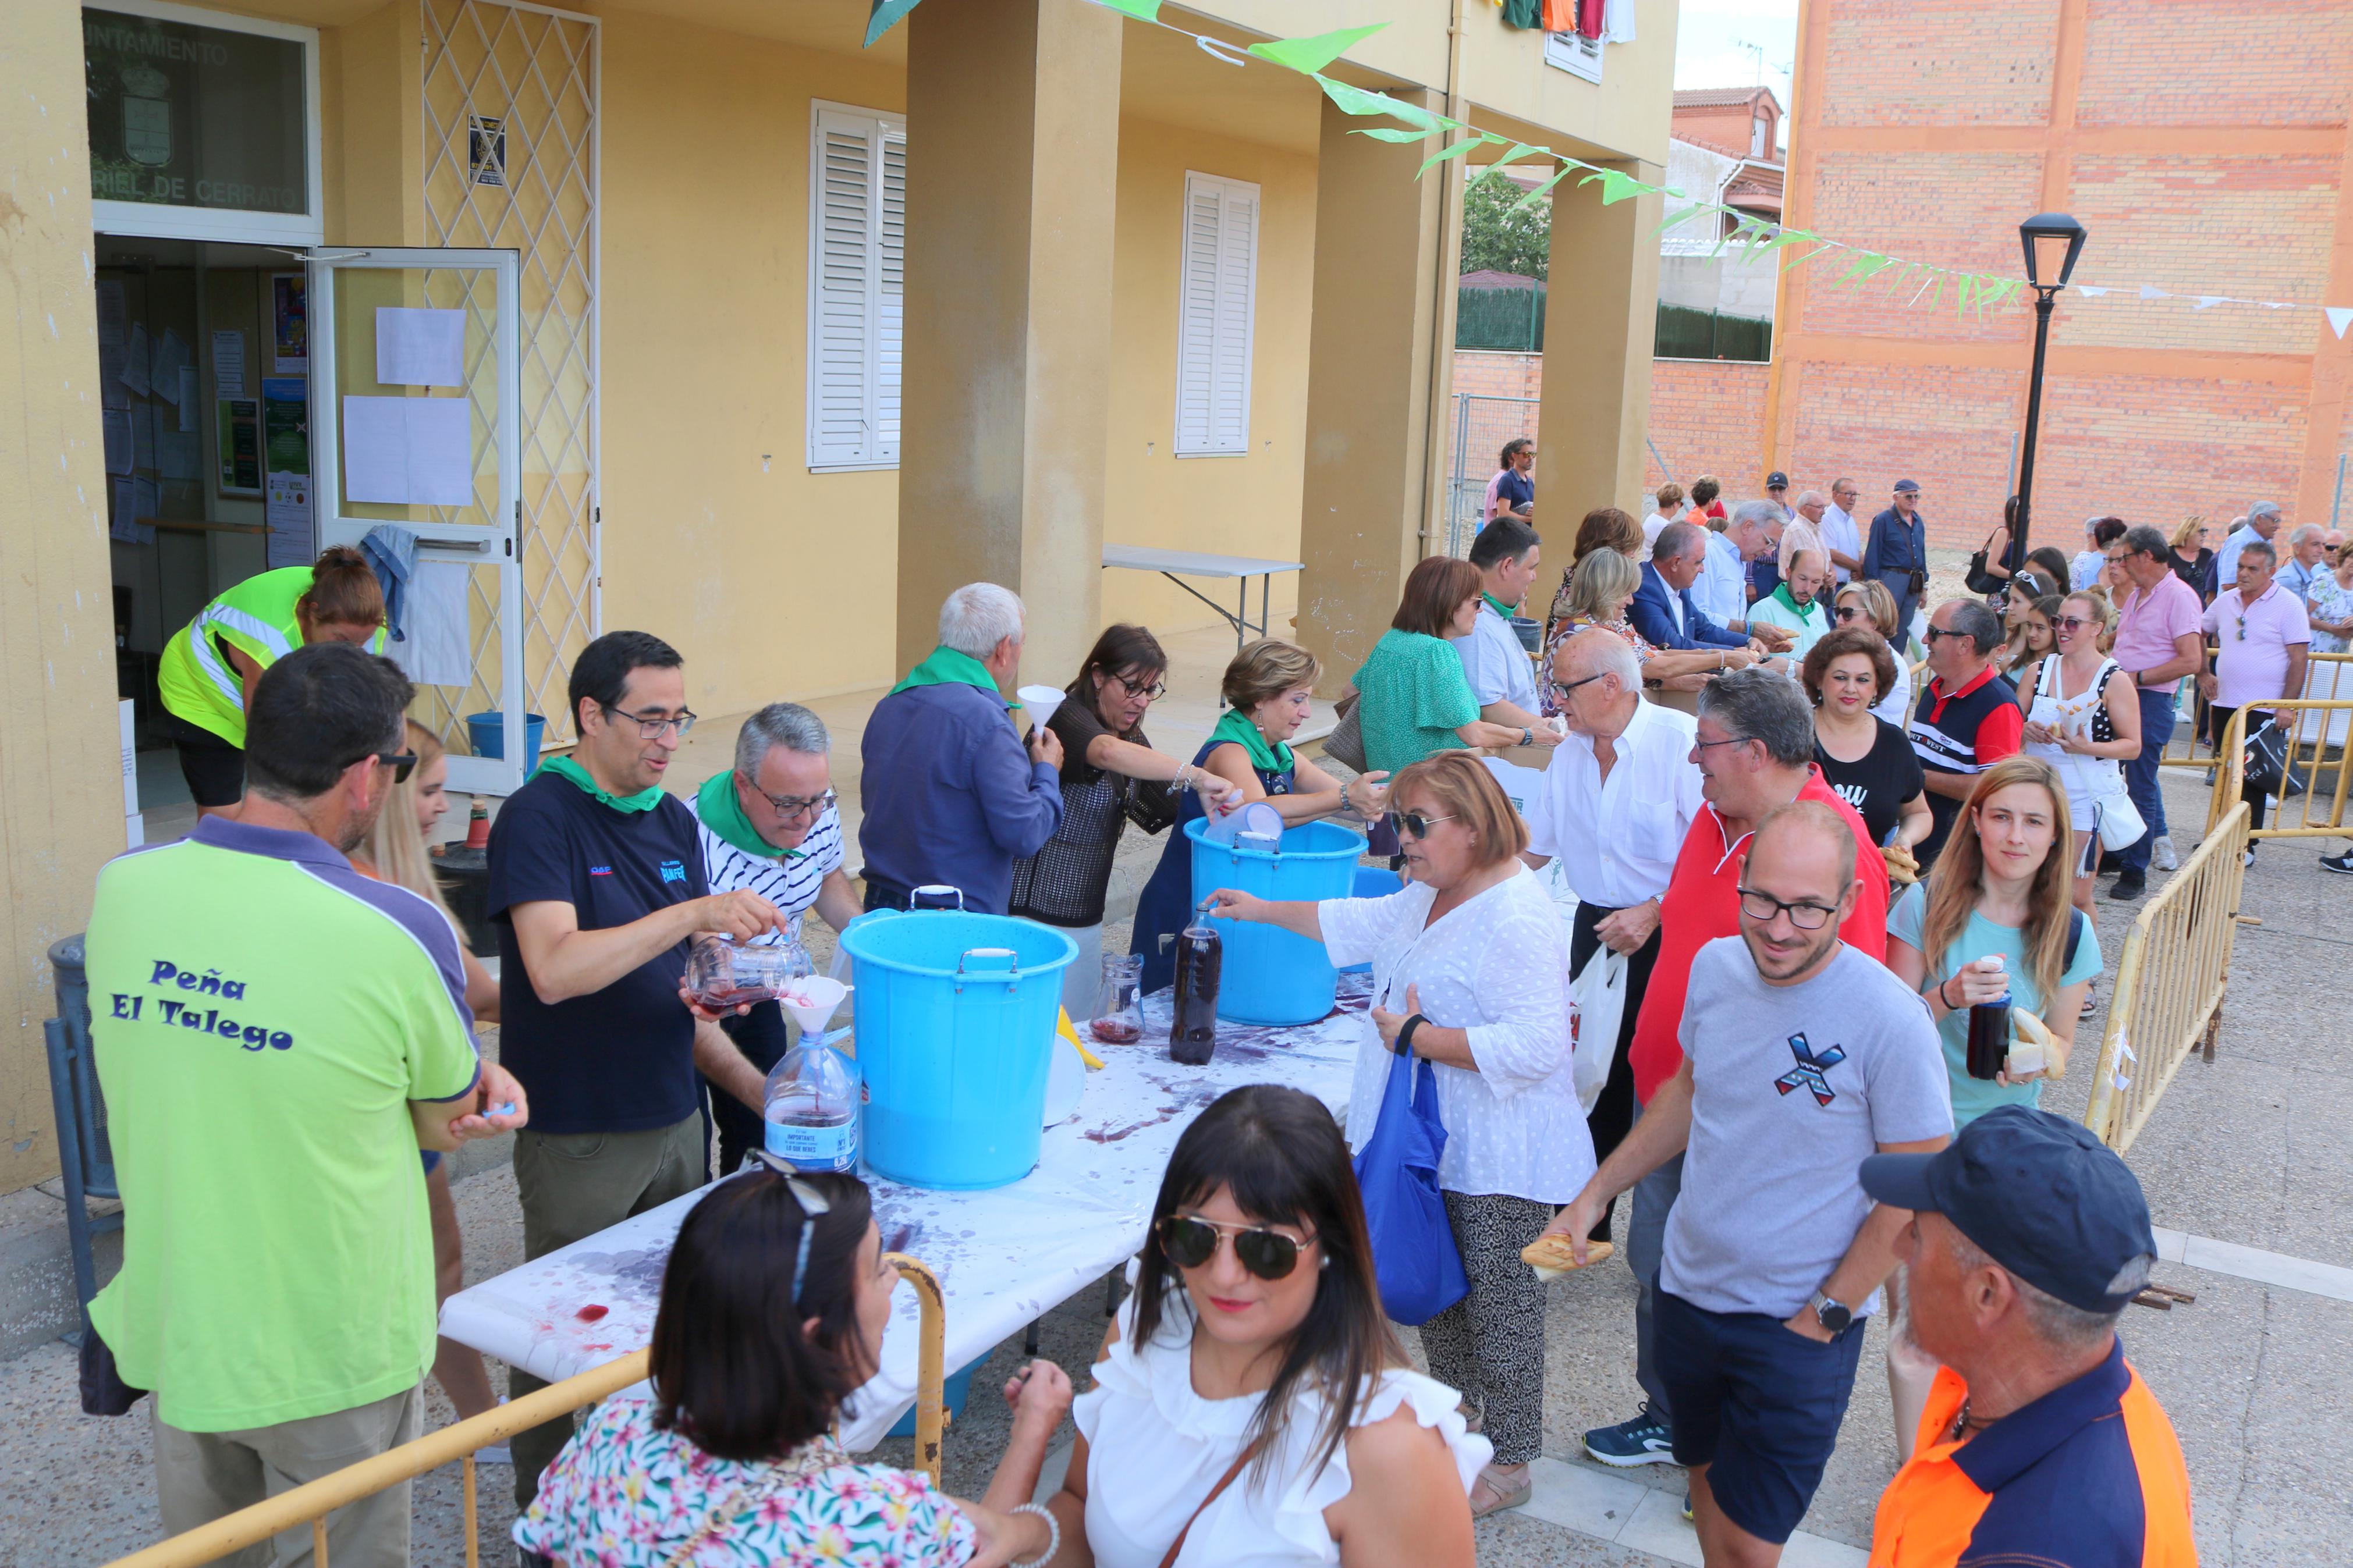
286, 458
238, 422
290, 331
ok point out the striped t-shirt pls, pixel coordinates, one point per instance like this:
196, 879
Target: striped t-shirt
789, 882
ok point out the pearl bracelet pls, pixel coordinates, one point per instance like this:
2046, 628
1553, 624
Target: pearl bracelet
1053, 1535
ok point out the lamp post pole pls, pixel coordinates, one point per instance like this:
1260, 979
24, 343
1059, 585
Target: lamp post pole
2045, 293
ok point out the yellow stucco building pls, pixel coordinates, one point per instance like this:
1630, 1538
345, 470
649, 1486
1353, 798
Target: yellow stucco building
700, 317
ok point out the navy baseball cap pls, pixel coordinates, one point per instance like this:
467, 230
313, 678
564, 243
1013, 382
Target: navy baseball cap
2040, 1196
1908, 485
1776, 480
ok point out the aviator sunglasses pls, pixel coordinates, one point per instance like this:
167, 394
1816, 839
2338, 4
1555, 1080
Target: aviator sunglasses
1415, 823
1190, 1243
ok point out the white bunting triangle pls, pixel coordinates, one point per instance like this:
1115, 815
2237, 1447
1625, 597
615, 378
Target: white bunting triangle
2208, 301
2340, 318
2151, 291
2090, 291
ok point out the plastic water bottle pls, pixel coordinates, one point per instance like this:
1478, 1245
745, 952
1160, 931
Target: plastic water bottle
812, 1107
1988, 1045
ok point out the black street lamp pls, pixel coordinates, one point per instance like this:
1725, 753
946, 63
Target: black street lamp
2052, 241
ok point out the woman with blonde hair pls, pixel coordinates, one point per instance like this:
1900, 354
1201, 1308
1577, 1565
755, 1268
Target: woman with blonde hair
1865, 602
395, 851
1598, 597
2083, 719
1470, 972
2197, 566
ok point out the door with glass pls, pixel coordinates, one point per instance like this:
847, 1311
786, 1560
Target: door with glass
417, 425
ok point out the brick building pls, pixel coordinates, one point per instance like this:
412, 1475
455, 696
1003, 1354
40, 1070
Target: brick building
2205, 147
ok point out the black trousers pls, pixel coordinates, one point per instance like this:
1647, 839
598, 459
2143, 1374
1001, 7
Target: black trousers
1613, 1113
2218, 719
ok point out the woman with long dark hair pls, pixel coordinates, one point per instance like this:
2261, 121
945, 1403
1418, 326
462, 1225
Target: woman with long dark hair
773, 1308
1251, 1406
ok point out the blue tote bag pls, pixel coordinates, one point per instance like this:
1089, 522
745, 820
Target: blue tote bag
1414, 1257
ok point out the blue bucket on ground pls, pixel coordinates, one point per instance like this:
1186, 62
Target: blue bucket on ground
1271, 975
1372, 883
486, 734
952, 1392
956, 1033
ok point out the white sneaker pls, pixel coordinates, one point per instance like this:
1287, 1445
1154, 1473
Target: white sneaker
2161, 857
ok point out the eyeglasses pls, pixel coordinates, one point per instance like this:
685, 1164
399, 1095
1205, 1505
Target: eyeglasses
1804, 914
1730, 740
2243, 628
402, 763
789, 806
1933, 632
2071, 623
1150, 691
1560, 692
648, 728
813, 1204
1190, 1242
1849, 611
1415, 823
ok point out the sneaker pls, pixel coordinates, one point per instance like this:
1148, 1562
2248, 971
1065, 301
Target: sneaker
1644, 1440
1687, 1510
2250, 859
2091, 999
2161, 855
2131, 883
2338, 862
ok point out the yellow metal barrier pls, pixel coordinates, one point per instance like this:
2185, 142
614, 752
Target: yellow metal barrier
312, 1501
2327, 781
2324, 671
2169, 984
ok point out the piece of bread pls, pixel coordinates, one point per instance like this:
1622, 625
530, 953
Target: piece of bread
1550, 1256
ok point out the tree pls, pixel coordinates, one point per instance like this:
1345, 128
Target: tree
1520, 242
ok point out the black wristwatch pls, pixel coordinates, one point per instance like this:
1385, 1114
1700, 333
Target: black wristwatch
1830, 1314
1405, 1034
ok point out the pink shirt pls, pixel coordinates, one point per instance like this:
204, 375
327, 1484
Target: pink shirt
2149, 620
2253, 667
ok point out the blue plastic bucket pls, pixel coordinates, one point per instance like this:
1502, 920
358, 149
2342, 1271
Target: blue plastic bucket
952, 1392
486, 734
1372, 883
1271, 975
955, 1032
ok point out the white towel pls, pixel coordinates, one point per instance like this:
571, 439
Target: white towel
438, 650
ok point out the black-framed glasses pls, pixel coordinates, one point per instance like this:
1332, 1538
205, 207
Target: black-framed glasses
813, 1204
1932, 634
1805, 914
648, 728
1415, 823
789, 806
1190, 1242
1150, 691
1849, 611
1560, 692
2071, 623
402, 763
1727, 741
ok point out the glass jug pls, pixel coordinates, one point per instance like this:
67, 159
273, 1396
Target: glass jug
1119, 1005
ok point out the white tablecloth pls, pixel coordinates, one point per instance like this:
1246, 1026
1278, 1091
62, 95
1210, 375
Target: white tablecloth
1004, 1257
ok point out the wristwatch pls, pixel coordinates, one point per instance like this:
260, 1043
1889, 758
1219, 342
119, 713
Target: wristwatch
1830, 1314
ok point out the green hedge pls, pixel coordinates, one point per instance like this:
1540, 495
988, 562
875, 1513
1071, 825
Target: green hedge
1686, 333
1512, 320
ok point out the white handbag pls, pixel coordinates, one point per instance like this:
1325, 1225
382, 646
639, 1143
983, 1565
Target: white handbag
2118, 820
1597, 1004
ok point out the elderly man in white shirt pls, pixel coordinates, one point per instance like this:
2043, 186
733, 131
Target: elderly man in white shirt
1721, 590
1615, 805
1840, 534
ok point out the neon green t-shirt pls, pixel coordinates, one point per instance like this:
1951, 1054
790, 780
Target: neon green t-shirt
263, 1014
256, 618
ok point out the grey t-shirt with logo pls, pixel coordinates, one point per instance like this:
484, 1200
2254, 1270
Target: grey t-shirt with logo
1793, 1087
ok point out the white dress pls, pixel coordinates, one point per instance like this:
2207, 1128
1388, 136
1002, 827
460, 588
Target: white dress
1498, 966
1155, 1448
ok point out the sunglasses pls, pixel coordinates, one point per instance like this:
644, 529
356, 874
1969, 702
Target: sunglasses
1415, 823
2071, 623
403, 763
1190, 1243
1848, 612
813, 1204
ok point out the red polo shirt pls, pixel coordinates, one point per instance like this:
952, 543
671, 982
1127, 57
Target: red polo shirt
1702, 902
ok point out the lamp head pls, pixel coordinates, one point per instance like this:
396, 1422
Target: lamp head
2052, 241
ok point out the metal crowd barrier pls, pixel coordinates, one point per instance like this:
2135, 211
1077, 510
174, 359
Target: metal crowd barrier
2317, 736
2169, 984
312, 1501
2327, 677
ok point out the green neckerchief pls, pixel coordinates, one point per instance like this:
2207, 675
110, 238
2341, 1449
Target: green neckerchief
1500, 609
946, 666
1267, 757
1781, 593
565, 767
721, 810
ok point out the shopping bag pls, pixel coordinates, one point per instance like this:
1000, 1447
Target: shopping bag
1414, 1258
2266, 769
1596, 1008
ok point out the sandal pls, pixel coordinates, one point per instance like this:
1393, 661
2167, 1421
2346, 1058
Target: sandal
1492, 1494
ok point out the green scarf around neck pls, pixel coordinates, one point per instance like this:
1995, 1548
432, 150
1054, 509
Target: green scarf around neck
721, 809
946, 666
1267, 757
1805, 613
565, 767
1500, 609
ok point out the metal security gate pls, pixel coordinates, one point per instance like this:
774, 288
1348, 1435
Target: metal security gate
510, 163
1482, 425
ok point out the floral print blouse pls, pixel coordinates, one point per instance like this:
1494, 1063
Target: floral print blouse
626, 1494
2333, 603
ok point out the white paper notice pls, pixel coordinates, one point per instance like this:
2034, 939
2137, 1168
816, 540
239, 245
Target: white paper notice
189, 397
437, 651
228, 365
134, 360
112, 393
143, 505
111, 312
285, 508
120, 525
172, 357
143, 436
175, 454
118, 440
417, 450
419, 348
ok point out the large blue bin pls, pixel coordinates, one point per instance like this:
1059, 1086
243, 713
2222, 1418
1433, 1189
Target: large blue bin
1271, 975
487, 735
955, 1032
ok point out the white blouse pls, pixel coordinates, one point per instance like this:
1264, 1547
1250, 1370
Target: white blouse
1498, 966
1155, 1448
1896, 706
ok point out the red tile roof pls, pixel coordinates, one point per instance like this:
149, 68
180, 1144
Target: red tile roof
1722, 97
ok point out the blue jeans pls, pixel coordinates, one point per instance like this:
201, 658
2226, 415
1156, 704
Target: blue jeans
2141, 774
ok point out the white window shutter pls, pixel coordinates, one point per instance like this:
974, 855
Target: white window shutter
857, 288
1218, 283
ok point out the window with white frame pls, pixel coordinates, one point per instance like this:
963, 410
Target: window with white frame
1217, 287
1574, 53
858, 223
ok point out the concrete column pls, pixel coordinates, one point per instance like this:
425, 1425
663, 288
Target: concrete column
1012, 169
1378, 234
1600, 327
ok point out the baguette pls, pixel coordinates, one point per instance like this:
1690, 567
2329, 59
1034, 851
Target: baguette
1550, 1256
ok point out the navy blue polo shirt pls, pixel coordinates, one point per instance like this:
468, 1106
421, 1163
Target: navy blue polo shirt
1516, 491
621, 1060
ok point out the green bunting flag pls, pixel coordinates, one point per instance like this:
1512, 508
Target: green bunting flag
1306, 55
886, 15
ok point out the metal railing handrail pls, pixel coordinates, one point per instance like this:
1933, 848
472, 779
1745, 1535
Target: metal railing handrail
2230, 773
311, 1502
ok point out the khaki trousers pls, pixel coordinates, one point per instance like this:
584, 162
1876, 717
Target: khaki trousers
202, 1475
574, 1184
